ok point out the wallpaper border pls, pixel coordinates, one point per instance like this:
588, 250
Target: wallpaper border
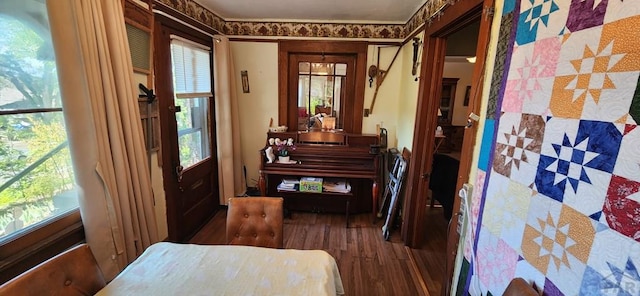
197, 12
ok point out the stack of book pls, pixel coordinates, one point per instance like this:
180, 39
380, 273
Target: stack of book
336, 185
288, 184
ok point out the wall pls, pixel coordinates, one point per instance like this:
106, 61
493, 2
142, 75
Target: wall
408, 100
260, 59
557, 184
385, 110
462, 70
395, 104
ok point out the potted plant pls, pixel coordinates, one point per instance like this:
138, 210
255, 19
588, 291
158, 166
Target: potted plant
283, 149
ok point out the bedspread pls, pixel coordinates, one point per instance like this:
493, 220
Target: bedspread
185, 269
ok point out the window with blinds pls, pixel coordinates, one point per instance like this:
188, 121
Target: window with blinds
191, 69
191, 64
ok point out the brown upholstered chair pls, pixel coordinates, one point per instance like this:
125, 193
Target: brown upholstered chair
73, 272
520, 287
255, 221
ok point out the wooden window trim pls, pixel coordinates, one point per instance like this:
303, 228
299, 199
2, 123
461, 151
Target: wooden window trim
287, 103
19, 253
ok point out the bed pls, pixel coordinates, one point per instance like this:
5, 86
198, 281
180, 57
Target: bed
185, 269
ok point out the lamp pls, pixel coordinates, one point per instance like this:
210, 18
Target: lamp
439, 112
471, 60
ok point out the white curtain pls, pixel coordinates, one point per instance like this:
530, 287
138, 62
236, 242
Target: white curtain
230, 173
104, 128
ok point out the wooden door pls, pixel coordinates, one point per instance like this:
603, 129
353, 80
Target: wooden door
187, 128
454, 17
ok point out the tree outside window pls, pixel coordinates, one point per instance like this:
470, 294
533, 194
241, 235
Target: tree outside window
36, 176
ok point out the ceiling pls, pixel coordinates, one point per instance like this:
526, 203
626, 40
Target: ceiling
349, 11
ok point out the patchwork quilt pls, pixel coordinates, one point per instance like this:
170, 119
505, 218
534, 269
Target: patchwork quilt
557, 198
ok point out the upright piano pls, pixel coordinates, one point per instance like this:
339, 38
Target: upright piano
327, 155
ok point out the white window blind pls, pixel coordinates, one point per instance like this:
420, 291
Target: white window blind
191, 69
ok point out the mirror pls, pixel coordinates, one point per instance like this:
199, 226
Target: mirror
321, 95
325, 75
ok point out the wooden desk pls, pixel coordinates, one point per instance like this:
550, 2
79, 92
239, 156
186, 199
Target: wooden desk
349, 159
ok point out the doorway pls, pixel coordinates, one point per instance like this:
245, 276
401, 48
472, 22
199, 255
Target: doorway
183, 72
452, 119
425, 229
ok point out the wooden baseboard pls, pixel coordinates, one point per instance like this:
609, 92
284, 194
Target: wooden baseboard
420, 284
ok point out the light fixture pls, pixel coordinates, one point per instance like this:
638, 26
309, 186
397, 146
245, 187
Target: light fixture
471, 60
439, 112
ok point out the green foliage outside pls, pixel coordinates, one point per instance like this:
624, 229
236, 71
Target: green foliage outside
28, 80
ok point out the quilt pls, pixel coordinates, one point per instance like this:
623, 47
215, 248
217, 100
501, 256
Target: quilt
557, 198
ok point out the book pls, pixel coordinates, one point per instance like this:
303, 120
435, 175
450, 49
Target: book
290, 181
287, 187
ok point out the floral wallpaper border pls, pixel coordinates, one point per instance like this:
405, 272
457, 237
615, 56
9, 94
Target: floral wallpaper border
201, 14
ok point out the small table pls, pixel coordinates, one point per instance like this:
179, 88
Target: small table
439, 140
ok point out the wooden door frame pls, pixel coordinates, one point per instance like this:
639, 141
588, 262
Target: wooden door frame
431, 72
164, 91
287, 102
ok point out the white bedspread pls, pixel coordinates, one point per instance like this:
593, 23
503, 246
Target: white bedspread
183, 269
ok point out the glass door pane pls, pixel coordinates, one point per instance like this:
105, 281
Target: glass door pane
193, 134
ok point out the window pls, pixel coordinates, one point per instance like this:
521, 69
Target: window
36, 175
37, 189
324, 75
192, 87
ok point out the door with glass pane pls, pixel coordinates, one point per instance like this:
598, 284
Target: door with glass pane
184, 86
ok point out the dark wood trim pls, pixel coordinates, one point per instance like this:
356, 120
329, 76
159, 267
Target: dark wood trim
470, 134
423, 144
29, 111
431, 75
287, 113
421, 285
454, 18
419, 30
39, 244
257, 39
137, 15
164, 92
277, 40
183, 18
164, 27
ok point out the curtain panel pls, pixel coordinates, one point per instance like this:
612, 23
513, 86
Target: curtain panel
230, 177
104, 129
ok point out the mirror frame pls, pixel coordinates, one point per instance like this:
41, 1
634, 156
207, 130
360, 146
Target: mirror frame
288, 102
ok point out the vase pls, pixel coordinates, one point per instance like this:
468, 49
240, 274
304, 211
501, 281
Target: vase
283, 159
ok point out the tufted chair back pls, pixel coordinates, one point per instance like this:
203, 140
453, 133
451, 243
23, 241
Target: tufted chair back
73, 272
255, 221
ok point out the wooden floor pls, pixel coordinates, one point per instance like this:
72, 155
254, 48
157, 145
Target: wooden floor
431, 258
368, 264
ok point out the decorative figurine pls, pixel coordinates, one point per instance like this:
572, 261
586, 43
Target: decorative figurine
271, 157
